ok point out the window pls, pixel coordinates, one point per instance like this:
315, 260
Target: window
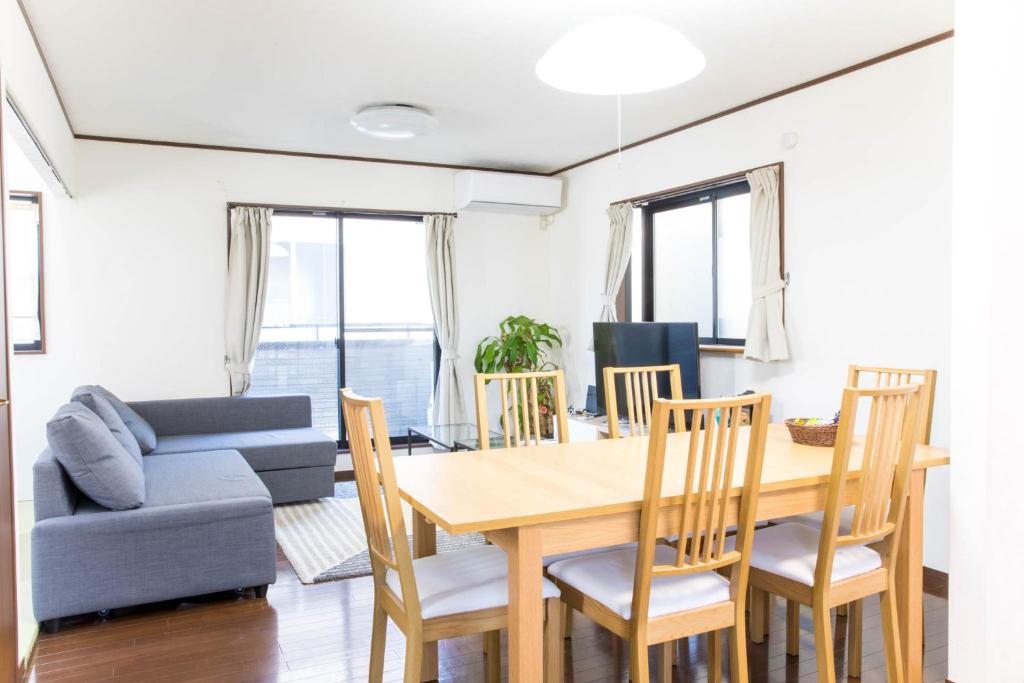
25, 271
348, 306
692, 252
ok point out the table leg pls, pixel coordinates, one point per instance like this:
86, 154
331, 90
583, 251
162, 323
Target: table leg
525, 606
910, 581
424, 543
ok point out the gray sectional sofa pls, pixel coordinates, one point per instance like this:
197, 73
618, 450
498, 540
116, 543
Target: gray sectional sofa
205, 523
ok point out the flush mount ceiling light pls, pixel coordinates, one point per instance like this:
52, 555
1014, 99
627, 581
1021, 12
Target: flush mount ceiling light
620, 56
394, 121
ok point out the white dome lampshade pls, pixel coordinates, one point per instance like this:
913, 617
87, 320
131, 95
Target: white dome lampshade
620, 56
394, 121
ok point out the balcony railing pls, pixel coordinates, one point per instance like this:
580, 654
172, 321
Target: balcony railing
394, 361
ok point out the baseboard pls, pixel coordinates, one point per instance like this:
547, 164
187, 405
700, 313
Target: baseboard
936, 583
344, 475
25, 665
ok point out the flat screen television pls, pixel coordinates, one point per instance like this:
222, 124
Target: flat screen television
634, 344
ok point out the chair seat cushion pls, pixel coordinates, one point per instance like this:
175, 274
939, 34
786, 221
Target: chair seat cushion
551, 559
269, 449
608, 578
814, 519
464, 580
791, 551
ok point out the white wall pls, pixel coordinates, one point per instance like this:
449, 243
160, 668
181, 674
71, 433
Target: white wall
867, 236
986, 594
135, 268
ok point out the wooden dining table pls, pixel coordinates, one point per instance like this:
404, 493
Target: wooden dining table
555, 498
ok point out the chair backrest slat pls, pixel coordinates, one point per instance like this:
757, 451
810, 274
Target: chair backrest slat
520, 406
379, 501
708, 493
641, 387
881, 490
879, 377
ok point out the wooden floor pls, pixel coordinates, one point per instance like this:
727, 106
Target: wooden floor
321, 633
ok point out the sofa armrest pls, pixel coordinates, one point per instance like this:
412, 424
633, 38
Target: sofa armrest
226, 414
53, 492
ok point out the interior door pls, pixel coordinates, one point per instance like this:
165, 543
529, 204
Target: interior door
8, 532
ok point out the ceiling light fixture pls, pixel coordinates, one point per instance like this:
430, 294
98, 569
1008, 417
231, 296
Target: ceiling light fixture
620, 56
394, 121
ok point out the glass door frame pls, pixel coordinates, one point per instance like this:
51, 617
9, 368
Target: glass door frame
339, 215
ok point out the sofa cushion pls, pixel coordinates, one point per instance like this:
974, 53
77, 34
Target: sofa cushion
98, 465
185, 478
141, 429
271, 449
98, 404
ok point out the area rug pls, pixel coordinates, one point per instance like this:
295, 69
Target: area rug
324, 539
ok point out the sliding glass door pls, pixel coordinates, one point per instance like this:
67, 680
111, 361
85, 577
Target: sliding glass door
347, 306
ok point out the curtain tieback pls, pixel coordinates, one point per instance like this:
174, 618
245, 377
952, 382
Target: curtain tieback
769, 288
236, 367
449, 355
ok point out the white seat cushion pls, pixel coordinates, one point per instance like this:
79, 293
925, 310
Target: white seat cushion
463, 580
814, 519
791, 551
551, 559
608, 578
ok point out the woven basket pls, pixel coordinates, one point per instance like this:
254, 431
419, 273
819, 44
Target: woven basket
813, 434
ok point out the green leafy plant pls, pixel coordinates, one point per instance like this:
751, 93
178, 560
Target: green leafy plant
522, 345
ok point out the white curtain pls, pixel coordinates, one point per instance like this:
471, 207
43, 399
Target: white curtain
248, 262
448, 406
766, 336
620, 242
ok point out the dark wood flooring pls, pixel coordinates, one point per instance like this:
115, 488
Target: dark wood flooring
320, 634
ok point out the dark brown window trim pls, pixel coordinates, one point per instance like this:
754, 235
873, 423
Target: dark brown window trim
37, 199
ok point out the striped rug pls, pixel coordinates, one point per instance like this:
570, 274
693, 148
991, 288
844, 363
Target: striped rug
324, 539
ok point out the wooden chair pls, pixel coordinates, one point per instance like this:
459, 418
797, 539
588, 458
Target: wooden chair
452, 594
520, 408
857, 375
827, 567
641, 388
655, 594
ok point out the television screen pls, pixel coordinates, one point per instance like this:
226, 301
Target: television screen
636, 344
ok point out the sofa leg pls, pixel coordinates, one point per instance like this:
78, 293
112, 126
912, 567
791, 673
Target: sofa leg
51, 625
261, 591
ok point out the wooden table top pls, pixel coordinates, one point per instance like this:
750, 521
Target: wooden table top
503, 488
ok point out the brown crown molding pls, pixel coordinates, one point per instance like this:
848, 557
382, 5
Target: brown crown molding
310, 155
767, 98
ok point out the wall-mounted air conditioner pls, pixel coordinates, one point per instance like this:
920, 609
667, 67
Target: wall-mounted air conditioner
507, 193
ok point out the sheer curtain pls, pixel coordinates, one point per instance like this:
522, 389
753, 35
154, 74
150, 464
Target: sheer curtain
449, 406
248, 263
766, 336
620, 242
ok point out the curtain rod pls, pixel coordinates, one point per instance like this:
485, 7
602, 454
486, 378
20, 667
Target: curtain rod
691, 187
337, 209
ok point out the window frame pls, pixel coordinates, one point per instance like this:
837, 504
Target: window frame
34, 197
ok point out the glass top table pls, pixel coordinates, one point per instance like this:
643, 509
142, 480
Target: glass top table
453, 437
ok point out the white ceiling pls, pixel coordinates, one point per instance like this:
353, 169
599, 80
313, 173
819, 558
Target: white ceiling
288, 75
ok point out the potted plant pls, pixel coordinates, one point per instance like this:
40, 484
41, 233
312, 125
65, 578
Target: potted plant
522, 345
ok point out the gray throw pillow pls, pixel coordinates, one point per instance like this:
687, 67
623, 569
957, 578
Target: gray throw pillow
141, 429
95, 402
98, 465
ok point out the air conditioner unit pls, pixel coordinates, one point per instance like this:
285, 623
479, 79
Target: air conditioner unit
507, 193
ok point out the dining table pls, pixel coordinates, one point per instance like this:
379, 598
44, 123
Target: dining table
537, 501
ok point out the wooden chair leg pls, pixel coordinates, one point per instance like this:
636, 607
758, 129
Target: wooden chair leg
823, 641
567, 620
758, 614
638, 664
854, 637
793, 628
413, 657
738, 653
553, 642
667, 659
492, 651
715, 657
377, 641
891, 636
